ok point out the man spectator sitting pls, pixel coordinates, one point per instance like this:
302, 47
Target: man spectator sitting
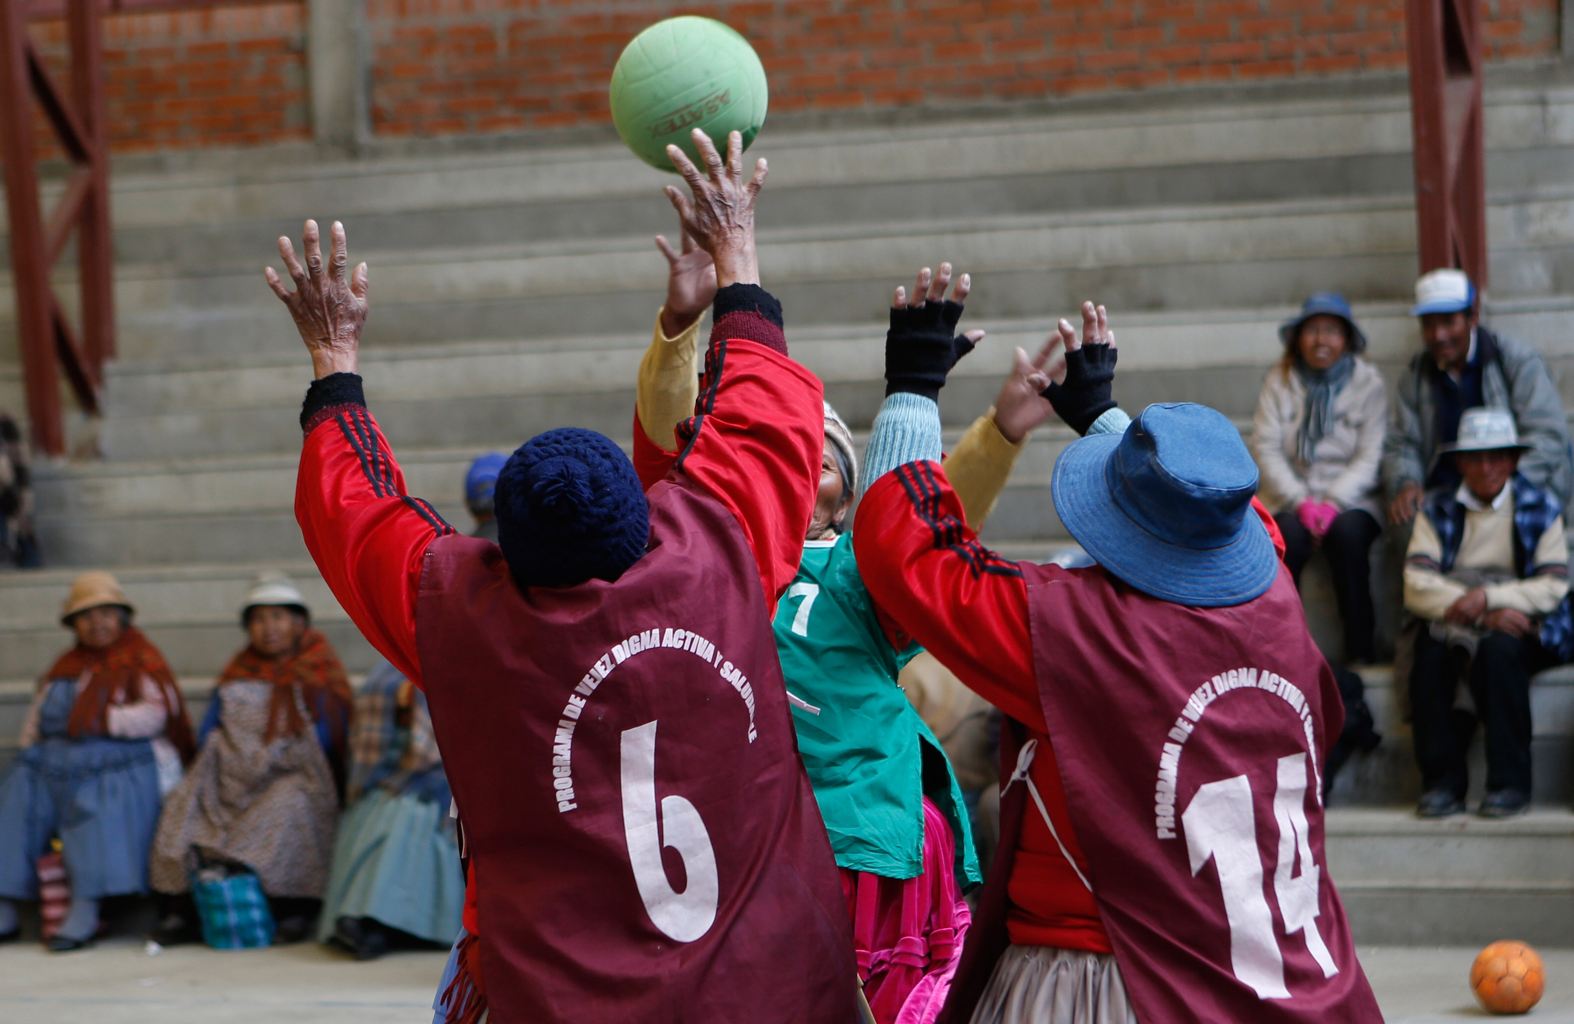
1487, 570
1466, 364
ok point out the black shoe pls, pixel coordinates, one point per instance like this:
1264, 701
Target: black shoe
175, 930
1439, 803
1504, 803
62, 944
294, 928
362, 936
10, 936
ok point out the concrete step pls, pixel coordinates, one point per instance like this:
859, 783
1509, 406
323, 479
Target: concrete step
1462, 881
459, 394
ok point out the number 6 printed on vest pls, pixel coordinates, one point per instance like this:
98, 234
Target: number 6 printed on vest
1220, 826
683, 916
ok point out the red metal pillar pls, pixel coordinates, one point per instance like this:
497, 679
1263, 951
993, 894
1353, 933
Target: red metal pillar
95, 253
29, 265
1446, 118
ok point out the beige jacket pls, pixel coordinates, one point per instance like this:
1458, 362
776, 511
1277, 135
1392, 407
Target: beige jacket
1345, 468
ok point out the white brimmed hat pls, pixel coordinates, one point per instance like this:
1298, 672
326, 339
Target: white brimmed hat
274, 590
1486, 430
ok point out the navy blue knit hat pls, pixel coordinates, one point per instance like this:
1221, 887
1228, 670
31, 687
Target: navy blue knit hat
570, 509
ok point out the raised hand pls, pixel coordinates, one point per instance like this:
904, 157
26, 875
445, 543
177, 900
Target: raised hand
1087, 390
922, 345
329, 306
1021, 407
691, 284
719, 216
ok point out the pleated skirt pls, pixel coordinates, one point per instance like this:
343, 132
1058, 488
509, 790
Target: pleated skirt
1043, 985
397, 862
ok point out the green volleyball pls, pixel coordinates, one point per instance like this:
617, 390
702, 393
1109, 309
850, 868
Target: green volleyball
681, 74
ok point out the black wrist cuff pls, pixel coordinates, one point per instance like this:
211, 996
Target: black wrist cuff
909, 386
748, 298
327, 392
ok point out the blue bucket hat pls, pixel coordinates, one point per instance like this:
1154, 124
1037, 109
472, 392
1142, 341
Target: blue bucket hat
1324, 304
570, 509
481, 480
1166, 507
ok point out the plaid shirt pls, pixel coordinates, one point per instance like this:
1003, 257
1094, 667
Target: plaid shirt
392, 745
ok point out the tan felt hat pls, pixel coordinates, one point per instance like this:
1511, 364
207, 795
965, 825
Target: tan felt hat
94, 590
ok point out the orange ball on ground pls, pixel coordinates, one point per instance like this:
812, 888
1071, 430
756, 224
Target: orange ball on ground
1507, 977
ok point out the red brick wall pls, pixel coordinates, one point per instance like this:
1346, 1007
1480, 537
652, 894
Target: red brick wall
447, 66
236, 75
221, 76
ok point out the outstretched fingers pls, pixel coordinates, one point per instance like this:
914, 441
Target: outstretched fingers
292, 266
708, 154
938, 286
272, 277
761, 171
964, 287
311, 242
340, 250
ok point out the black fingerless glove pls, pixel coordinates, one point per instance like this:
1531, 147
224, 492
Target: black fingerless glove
922, 346
1088, 392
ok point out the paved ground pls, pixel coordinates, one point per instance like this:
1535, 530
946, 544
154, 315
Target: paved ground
118, 983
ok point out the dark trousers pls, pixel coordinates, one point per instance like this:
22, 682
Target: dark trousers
1499, 679
1348, 545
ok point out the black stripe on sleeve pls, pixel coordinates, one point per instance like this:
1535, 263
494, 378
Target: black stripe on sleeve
350, 436
715, 362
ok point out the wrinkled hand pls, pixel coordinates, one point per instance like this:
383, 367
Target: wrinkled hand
1020, 407
1511, 621
720, 214
1469, 609
1087, 390
1405, 504
329, 306
691, 284
1317, 516
922, 345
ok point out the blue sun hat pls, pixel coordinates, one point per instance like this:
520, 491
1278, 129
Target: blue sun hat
1166, 507
1324, 304
570, 509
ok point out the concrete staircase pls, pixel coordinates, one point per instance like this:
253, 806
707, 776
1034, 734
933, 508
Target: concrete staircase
513, 291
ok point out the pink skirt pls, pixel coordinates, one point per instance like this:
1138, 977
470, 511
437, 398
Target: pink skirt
908, 932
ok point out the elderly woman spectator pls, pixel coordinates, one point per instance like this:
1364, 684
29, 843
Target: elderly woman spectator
1318, 440
103, 742
262, 791
396, 869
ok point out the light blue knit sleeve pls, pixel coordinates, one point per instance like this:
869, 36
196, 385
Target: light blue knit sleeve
1113, 421
906, 429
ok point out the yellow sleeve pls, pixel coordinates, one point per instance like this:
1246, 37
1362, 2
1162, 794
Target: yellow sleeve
668, 382
979, 467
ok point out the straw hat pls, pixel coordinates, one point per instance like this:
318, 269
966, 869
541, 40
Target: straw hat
93, 590
1484, 429
274, 590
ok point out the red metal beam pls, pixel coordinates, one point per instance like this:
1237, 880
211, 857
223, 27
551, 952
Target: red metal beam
29, 271
49, 343
1447, 123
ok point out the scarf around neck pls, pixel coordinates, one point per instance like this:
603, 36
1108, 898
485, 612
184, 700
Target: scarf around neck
116, 674
316, 668
1322, 387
